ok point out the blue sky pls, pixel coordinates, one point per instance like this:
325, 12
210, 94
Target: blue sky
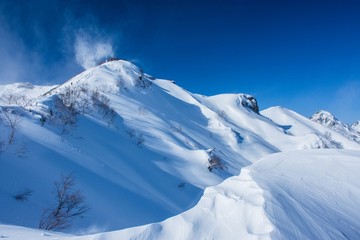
303, 55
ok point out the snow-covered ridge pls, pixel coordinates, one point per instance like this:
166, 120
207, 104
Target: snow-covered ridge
21, 93
143, 150
356, 127
327, 119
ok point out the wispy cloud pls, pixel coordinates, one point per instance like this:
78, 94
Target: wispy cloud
90, 49
41, 54
15, 59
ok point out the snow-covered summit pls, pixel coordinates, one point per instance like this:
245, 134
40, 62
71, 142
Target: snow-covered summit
327, 119
356, 127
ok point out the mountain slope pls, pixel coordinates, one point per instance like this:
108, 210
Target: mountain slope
141, 149
317, 135
295, 195
305, 194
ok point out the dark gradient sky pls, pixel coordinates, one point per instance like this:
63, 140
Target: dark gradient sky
303, 55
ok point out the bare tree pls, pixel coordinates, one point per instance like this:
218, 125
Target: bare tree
70, 204
12, 120
9, 97
64, 115
69, 96
330, 142
102, 105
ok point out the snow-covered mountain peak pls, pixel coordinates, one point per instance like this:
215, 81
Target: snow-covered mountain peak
111, 76
325, 118
356, 126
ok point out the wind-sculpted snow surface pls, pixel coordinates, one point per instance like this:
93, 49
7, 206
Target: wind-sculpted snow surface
308, 194
232, 210
311, 194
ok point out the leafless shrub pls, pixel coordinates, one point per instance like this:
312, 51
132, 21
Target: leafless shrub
76, 97
12, 120
83, 88
23, 195
105, 88
102, 104
79, 99
64, 114
330, 142
70, 204
69, 96
9, 97
214, 161
83, 101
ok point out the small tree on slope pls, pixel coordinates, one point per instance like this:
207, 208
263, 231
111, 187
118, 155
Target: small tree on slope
70, 204
11, 120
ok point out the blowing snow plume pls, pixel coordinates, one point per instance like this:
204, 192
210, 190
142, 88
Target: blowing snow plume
89, 52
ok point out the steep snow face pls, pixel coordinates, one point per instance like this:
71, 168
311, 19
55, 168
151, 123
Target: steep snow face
327, 119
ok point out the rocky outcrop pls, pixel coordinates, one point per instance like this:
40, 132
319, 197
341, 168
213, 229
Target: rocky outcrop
248, 101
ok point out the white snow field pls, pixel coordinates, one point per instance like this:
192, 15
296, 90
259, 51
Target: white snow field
309, 194
145, 152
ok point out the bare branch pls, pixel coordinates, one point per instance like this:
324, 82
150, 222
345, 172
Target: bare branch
70, 204
12, 120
